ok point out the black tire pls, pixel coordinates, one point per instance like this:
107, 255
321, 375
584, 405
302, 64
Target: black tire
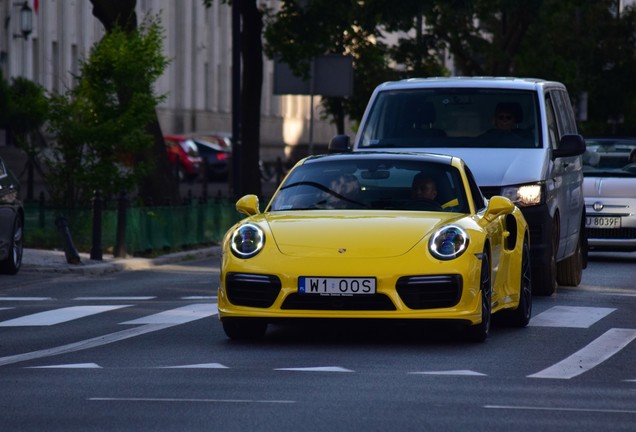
244, 328
12, 263
479, 332
544, 278
520, 317
570, 270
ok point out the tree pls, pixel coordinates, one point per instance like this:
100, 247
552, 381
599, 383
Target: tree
100, 130
300, 31
155, 187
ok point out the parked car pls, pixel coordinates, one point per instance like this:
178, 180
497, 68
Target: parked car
345, 237
216, 152
609, 187
519, 138
11, 222
184, 156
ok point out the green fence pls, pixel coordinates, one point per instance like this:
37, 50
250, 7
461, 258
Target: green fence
148, 229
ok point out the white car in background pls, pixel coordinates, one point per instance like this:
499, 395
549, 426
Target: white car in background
609, 186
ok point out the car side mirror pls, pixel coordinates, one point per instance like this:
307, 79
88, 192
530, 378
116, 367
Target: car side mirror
497, 206
340, 144
248, 205
570, 145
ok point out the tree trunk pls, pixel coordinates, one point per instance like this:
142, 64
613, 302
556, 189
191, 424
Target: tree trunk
157, 187
251, 89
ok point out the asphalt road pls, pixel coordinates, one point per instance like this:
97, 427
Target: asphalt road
143, 350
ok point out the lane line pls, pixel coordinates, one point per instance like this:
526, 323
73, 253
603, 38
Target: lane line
83, 345
450, 372
58, 316
25, 298
570, 316
112, 399
98, 341
179, 315
539, 408
197, 366
316, 369
590, 356
69, 366
115, 298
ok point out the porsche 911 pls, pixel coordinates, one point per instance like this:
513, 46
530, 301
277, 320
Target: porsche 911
381, 236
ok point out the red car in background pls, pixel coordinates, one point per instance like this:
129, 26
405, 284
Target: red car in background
184, 156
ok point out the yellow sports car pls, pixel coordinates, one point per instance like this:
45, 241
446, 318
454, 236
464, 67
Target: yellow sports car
376, 236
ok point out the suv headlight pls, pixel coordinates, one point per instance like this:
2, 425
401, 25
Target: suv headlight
247, 240
525, 195
448, 242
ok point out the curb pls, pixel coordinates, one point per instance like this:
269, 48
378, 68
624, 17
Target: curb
35, 260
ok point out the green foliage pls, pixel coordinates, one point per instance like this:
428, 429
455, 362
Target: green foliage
100, 125
586, 45
24, 109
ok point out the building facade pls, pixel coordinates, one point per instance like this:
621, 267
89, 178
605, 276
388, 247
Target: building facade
198, 41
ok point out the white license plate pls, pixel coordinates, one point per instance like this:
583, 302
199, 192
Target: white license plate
336, 286
603, 222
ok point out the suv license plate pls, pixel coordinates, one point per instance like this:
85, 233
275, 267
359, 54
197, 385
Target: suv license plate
603, 222
336, 286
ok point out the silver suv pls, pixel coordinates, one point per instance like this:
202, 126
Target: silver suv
519, 138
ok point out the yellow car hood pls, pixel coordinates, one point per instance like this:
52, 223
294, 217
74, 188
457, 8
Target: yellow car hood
359, 234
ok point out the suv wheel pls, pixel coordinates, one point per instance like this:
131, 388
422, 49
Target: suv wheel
570, 270
544, 272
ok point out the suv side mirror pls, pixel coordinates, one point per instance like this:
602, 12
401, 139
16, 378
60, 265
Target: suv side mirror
570, 145
340, 144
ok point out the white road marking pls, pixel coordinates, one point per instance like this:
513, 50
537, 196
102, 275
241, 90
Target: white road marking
570, 316
3, 308
25, 298
450, 372
115, 298
595, 353
69, 366
179, 315
317, 369
111, 399
58, 316
198, 366
540, 408
96, 341
199, 297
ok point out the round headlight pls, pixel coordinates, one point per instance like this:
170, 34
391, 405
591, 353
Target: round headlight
448, 242
247, 240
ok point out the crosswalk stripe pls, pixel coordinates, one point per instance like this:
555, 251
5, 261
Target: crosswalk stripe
570, 316
595, 353
317, 369
57, 316
179, 315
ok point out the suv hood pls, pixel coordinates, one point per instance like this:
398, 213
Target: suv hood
500, 166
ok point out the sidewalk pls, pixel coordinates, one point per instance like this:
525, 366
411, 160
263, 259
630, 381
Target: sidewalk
37, 260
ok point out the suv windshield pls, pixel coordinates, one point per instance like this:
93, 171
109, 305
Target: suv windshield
453, 117
607, 157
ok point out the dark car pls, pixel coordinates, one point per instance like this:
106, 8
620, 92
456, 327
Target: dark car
11, 222
216, 152
183, 155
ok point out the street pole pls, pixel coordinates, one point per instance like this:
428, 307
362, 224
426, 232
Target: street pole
236, 191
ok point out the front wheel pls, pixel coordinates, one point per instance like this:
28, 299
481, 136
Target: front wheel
479, 332
520, 317
13, 262
544, 278
570, 270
